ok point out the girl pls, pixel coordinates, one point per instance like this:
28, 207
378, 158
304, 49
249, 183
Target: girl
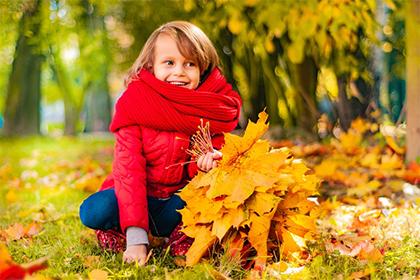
174, 83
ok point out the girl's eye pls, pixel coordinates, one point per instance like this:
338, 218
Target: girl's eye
190, 64
169, 62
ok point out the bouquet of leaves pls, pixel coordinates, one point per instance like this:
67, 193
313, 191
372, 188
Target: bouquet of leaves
256, 196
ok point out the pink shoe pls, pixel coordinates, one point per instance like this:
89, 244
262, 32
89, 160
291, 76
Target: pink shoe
111, 240
179, 242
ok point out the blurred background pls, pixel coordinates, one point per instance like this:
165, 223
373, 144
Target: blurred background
313, 64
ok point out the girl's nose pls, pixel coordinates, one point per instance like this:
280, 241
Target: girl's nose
179, 69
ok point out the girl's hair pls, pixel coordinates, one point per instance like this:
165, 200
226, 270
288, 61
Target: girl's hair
191, 41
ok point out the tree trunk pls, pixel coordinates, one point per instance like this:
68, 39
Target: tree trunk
98, 107
343, 103
274, 91
304, 77
71, 108
413, 79
97, 102
22, 114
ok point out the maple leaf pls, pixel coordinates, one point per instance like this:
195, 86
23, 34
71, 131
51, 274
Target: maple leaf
390, 141
253, 193
258, 234
203, 240
12, 270
237, 145
18, 231
98, 274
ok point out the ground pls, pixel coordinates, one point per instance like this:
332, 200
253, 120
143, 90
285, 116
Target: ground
368, 225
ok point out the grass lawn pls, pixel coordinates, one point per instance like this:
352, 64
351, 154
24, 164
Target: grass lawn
44, 180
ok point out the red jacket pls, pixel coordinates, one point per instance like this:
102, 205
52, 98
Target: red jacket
146, 163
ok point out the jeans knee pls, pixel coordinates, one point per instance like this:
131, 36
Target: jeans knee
100, 210
178, 203
86, 215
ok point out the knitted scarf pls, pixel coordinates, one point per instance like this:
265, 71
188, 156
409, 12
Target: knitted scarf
152, 103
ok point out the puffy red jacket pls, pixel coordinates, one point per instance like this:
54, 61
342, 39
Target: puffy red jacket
146, 163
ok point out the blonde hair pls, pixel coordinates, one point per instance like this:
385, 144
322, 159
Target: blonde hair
192, 42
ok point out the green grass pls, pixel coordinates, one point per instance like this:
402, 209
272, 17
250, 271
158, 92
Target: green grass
40, 180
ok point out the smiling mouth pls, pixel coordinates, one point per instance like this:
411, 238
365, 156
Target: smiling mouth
178, 83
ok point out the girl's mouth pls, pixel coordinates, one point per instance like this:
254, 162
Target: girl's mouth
176, 83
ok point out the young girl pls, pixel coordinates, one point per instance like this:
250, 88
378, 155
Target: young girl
174, 83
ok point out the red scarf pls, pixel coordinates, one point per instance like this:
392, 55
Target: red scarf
150, 102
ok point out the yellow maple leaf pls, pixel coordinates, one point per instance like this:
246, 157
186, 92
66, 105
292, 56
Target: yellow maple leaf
203, 240
258, 234
235, 146
263, 203
327, 168
252, 188
221, 226
370, 159
360, 125
365, 188
98, 274
289, 242
237, 215
350, 141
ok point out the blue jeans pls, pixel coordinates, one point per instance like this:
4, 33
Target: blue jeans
100, 211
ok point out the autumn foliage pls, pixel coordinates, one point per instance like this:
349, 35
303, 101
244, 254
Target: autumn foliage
12, 270
255, 203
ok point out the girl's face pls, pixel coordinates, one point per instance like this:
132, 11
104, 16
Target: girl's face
170, 66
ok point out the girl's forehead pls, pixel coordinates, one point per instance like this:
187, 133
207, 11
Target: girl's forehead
168, 46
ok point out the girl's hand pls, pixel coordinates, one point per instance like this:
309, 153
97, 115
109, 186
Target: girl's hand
208, 161
136, 253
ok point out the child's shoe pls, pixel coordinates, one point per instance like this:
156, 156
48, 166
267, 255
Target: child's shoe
111, 240
179, 242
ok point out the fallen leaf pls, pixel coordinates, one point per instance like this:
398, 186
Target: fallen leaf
98, 274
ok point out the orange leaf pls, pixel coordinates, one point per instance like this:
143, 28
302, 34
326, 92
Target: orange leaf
202, 242
98, 274
15, 232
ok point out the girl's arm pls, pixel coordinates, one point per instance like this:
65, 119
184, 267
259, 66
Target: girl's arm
129, 169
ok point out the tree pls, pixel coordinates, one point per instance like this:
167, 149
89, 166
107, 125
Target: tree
95, 52
291, 41
413, 79
83, 81
22, 111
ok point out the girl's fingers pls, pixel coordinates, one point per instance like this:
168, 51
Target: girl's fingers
128, 260
142, 261
200, 162
217, 154
209, 161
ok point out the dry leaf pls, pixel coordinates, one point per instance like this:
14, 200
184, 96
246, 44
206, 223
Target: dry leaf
243, 193
98, 274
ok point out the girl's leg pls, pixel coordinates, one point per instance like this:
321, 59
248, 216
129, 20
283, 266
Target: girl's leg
100, 211
163, 217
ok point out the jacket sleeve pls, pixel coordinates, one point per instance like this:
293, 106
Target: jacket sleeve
129, 170
217, 140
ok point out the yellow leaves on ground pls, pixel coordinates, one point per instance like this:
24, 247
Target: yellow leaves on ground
250, 194
98, 274
18, 231
362, 163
